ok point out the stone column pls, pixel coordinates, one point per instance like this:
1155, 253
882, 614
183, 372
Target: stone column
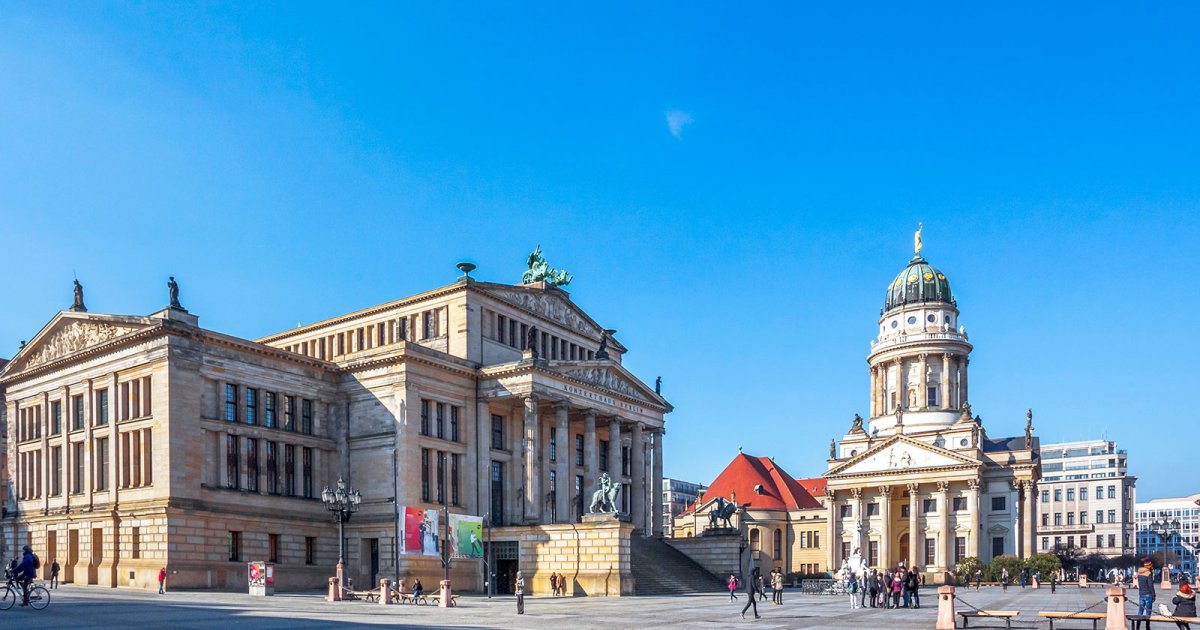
656, 486
942, 552
962, 379
637, 497
1014, 500
885, 527
591, 462
901, 385
945, 382
614, 453
923, 392
515, 501
859, 521
562, 489
1030, 517
915, 540
533, 449
973, 537
835, 539
483, 457
874, 390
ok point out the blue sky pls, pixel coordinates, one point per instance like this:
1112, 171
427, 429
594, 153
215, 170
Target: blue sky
733, 187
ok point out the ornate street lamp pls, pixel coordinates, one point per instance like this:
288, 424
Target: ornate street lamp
1164, 527
341, 502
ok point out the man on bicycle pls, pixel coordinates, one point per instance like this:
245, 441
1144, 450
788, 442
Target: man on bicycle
25, 572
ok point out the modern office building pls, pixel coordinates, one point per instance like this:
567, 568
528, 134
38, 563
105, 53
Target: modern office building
1181, 515
1086, 498
678, 495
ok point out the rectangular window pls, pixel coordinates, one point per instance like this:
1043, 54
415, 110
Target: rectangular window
1070, 494
251, 405
512, 333
1045, 543
553, 494
501, 322
904, 511
441, 477
454, 479
497, 496
845, 511
1083, 518
930, 551
77, 407
441, 420
1045, 519
1112, 540
55, 418
269, 410
873, 553
101, 457
1070, 518
310, 550
55, 471
272, 547
578, 449
1058, 494
102, 406
553, 444
999, 504
425, 417
425, 475
1058, 518
872, 509
252, 464
272, 468
845, 550
997, 546
1083, 494
497, 432
1112, 516
427, 331
960, 504
232, 469
306, 416
1083, 542
625, 461
289, 413
1045, 496
77, 467
135, 542
1099, 516
1070, 542
932, 397
928, 506
289, 470
231, 398
1112, 492
960, 548
307, 469
603, 455
454, 411
235, 546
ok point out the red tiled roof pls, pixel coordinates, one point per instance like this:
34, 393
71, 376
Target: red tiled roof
780, 491
814, 486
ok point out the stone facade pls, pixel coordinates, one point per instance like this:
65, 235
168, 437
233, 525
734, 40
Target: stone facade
133, 443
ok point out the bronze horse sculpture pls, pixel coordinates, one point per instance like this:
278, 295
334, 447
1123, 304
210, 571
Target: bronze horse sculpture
722, 510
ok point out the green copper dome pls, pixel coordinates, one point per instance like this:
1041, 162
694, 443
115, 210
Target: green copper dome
919, 283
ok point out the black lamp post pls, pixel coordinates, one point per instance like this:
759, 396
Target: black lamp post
1164, 527
341, 502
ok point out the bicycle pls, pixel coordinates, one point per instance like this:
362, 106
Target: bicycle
39, 596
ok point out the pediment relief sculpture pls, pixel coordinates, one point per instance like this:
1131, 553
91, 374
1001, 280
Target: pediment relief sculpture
902, 455
74, 337
551, 307
606, 378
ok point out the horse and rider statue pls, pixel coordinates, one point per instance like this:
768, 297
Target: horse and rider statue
722, 510
604, 499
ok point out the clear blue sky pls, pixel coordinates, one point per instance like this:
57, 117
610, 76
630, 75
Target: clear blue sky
733, 187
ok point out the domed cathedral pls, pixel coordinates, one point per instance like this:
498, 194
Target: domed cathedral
920, 483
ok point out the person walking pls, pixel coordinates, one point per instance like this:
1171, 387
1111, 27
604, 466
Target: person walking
978, 579
1185, 603
914, 587
162, 580
853, 588
1145, 585
762, 587
1053, 581
1024, 576
54, 573
1004, 578
750, 588
732, 587
554, 585
520, 593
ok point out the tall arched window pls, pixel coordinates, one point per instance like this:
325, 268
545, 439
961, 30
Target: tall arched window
755, 540
778, 542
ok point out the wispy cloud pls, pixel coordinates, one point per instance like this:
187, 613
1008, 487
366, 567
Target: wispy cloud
677, 120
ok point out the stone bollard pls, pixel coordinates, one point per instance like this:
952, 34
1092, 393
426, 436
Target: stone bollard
1035, 582
945, 618
385, 591
1082, 581
1115, 618
335, 592
445, 601
403, 588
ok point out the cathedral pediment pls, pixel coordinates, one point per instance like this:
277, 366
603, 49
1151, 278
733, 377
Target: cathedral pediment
899, 454
610, 376
69, 333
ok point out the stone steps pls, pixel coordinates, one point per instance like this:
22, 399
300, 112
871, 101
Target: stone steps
660, 569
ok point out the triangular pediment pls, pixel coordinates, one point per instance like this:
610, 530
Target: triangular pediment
552, 304
899, 454
70, 333
606, 374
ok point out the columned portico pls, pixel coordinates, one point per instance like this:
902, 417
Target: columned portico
885, 525
835, 536
915, 540
656, 488
562, 470
590, 458
942, 553
533, 464
637, 475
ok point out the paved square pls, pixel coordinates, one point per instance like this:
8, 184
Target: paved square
91, 607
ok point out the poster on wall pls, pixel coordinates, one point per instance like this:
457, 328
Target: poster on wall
466, 534
420, 532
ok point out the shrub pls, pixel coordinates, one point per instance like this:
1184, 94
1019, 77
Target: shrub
965, 570
999, 563
1044, 563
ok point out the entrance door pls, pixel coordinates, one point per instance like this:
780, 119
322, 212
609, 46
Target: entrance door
903, 548
374, 562
504, 555
72, 555
51, 553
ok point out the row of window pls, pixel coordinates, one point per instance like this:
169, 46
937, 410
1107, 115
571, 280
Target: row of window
1083, 493
509, 331
438, 422
436, 478
134, 402
133, 460
1083, 517
928, 506
280, 475
273, 547
930, 548
423, 325
273, 411
500, 439
1083, 542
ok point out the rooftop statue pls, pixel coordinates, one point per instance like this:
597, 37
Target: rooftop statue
857, 424
917, 239
539, 271
173, 290
78, 305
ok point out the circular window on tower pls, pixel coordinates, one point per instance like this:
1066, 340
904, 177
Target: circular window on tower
895, 323
931, 318
912, 319
853, 452
963, 442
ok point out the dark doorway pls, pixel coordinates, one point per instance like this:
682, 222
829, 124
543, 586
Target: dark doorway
505, 555
374, 561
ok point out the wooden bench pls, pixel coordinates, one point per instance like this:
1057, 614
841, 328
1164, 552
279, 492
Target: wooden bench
1095, 618
372, 595
1006, 615
1150, 619
407, 598
436, 599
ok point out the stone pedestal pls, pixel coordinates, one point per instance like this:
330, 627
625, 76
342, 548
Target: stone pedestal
601, 518
1165, 584
1083, 581
445, 601
1115, 617
1035, 583
720, 531
385, 592
945, 616
335, 591
593, 556
403, 586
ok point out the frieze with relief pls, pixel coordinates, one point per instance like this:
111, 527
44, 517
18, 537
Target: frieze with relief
550, 307
606, 378
74, 337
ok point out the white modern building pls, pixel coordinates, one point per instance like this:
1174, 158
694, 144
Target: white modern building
1086, 498
677, 496
1183, 515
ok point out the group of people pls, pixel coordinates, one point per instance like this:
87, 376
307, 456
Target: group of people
894, 588
756, 589
558, 584
1184, 600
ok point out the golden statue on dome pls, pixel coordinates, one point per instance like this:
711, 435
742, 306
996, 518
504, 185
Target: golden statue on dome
917, 239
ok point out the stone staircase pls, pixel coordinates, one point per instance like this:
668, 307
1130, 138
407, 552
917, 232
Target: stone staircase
660, 569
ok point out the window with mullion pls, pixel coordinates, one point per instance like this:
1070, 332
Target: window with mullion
424, 417
441, 421
289, 470
251, 405
269, 410
289, 413
231, 398
454, 424
306, 416
252, 464
425, 475
307, 465
497, 432
272, 468
232, 469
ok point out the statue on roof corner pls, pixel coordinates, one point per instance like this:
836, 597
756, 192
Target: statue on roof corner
1029, 428
540, 271
857, 424
78, 305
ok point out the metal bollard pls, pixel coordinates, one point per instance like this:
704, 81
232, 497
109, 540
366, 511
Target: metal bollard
1115, 617
945, 618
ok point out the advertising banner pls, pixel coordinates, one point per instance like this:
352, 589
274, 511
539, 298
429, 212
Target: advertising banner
420, 532
466, 534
